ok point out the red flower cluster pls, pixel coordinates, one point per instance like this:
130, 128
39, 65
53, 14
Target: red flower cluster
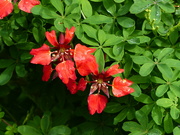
64, 60
6, 6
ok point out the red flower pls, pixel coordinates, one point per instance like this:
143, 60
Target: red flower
101, 80
51, 37
47, 70
73, 87
6, 8
121, 87
96, 103
66, 71
85, 61
61, 56
27, 5
42, 55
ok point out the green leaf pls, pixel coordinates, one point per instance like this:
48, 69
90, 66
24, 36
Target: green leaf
141, 59
157, 114
168, 19
139, 79
134, 40
28, 130
113, 107
164, 102
58, 5
173, 35
109, 52
60, 130
176, 131
118, 50
126, 22
20, 70
165, 70
128, 31
124, 9
100, 59
155, 131
155, 14
146, 69
45, 122
101, 36
167, 7
44, 12
113, 40
164, 52
119, 1
85, 39
101, 19
90, 31
39, 34
144, 39
156, 79
86, 8
59, 24
143, 98
142, 118
137, 91
6, 75
161, 90
128, 66
2, 114
6, 63
25, 46
110, 6
168, 124
121, 116
174, 112
132, 126
175, 89
140, 5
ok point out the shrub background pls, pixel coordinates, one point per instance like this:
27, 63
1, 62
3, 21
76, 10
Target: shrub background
140, 35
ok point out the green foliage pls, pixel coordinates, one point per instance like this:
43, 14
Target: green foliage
142, 36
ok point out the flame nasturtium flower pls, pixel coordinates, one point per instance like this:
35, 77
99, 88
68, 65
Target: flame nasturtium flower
60, 55
6, 6
86, 65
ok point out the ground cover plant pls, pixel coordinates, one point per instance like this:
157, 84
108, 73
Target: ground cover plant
89, 67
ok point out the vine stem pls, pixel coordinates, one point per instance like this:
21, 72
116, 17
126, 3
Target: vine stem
3, 120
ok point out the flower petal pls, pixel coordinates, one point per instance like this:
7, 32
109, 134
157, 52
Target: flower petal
69, 34
96, 103
121, 87
66, 71
85, 62
6, 8
47, 70
113, 70
51, 37
72, 87
82, 84
42, 55
27, 5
